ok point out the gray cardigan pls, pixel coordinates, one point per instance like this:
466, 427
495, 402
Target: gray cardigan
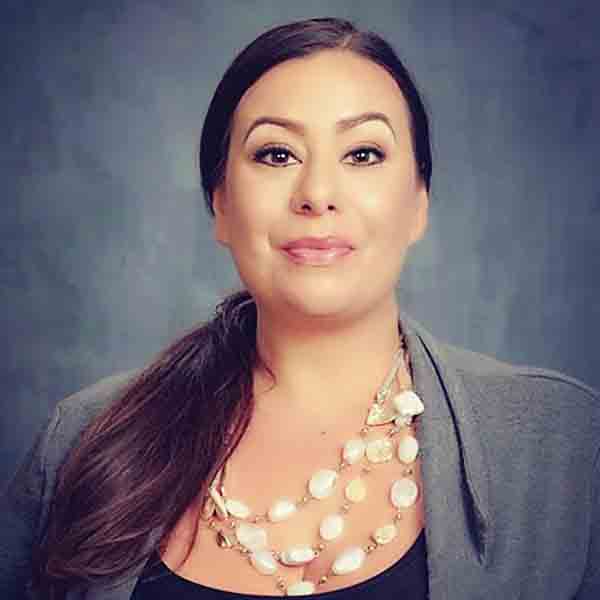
511, 474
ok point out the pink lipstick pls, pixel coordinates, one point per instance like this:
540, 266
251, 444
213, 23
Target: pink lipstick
317, 251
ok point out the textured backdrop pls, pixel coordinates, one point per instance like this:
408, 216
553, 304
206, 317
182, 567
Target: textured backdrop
106, 251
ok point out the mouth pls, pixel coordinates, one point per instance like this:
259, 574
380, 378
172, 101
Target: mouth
317, 251
318, 243
317, 256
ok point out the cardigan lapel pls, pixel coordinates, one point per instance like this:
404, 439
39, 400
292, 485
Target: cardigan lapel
454, 471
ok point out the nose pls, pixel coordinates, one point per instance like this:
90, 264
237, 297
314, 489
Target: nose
316, 191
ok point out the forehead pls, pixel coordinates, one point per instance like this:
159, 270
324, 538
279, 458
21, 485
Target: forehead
323, 88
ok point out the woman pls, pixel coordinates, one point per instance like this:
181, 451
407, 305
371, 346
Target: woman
312, 437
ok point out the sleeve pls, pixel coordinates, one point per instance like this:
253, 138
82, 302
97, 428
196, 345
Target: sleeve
22, 508
590, 587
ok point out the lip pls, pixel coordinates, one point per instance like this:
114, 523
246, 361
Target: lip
318, 243
317, 251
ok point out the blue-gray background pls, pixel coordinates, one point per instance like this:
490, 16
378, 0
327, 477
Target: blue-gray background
106, 251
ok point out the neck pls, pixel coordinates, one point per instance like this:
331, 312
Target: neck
323, 366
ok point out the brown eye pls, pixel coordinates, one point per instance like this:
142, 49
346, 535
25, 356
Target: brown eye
279, 156
362, 156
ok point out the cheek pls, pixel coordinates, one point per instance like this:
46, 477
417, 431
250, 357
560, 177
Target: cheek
256, 198
388, 213
252, 221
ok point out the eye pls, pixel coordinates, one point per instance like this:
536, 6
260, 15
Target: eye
279, 156
361, 156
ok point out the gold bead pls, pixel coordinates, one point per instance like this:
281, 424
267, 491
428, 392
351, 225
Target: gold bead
364, 430
305, 500
232, 524
321, 547
398, 517
323, 579
345, 507
213, 524
281, 584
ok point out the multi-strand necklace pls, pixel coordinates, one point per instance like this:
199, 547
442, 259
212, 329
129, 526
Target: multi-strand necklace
237, 527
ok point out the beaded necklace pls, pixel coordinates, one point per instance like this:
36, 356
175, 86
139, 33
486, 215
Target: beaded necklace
239, 528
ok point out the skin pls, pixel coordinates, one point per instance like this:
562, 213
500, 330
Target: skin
315, 321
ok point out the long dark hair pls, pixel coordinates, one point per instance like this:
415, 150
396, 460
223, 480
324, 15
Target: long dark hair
153, 452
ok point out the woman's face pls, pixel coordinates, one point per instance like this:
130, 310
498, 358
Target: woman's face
307, 160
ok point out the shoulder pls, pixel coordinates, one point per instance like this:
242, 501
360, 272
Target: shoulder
25, 502
91, 400
75, 412
506, 396
540, 403
495, 375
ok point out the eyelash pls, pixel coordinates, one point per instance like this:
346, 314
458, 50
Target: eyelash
263, 152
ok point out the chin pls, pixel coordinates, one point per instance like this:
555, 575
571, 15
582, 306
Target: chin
323, 306
327, 299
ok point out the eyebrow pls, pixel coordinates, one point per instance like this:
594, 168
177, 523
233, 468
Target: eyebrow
341, 125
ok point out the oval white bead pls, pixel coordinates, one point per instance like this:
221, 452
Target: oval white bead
331, 527
404, 493
354, 450
408, 404
297, 555
237, 509
408, 448
348, 561
384, 535
321, 484
300, 588
281, 510
356, 490
264, 562
380, 450
251, 537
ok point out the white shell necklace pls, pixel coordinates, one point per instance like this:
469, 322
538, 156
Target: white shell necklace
239, 528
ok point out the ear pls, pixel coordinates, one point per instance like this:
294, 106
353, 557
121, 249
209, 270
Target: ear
422, 214
221, 229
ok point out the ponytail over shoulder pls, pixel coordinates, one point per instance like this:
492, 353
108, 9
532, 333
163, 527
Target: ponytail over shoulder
142, 462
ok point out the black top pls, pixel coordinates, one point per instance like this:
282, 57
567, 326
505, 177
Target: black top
406, 579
